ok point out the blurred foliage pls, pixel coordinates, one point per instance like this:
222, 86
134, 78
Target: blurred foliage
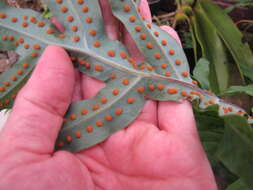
224, 65
239, 3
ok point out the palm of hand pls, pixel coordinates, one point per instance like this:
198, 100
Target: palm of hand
160, 150
139, 157
144, 157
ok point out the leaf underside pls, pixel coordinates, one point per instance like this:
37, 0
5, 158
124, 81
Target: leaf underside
164, 75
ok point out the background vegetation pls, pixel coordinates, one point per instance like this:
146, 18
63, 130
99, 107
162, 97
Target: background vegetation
218, 40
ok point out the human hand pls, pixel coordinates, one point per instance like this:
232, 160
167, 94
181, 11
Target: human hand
159, 150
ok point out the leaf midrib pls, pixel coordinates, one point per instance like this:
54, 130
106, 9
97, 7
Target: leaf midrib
106, 61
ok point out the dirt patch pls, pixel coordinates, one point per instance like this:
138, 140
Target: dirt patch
9, 58
33, 4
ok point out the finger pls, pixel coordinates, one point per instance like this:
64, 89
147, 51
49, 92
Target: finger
145, 10
90, 86
127, 39
111, 24
112, 28
38, 112
176, 118
148, 113
77, 95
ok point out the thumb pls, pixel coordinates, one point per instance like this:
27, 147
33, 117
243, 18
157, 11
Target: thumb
174, 117
177, 118
38, 111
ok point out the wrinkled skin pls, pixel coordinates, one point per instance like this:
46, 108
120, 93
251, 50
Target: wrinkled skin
159, 150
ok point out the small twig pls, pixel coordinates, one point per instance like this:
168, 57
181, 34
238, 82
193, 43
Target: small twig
243, 21
174, 24
224, 4
172, 14
157, 20
13, 3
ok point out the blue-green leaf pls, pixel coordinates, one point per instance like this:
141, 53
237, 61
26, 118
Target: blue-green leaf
231, 36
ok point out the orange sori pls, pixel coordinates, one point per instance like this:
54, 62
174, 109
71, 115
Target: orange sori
84, 111
160, 86
172, 91
111, 53
99, 68
78, 134
118, 111
95, 107
108, 118
99, 123
125, 81
115, 92
140, 89
89, 129
93, 32
85, 9
103, 100
127, 8
73, 116
130, 100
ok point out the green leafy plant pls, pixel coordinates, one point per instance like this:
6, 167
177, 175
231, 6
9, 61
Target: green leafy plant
216, 38
163, 76
224, 64
228, 144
